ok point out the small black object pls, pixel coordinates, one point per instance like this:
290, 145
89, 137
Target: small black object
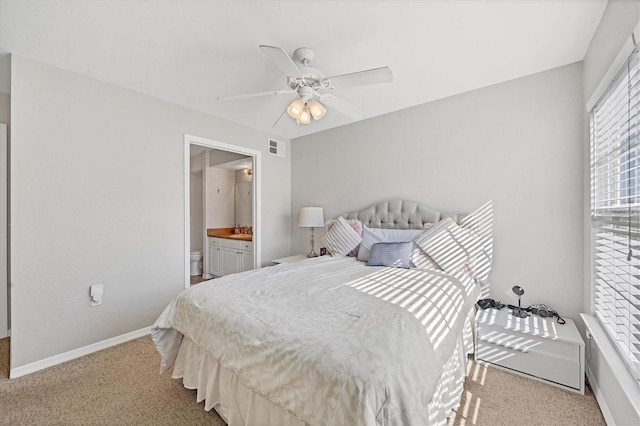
545, 312
522, 313
517, 311
541, 310
489, 303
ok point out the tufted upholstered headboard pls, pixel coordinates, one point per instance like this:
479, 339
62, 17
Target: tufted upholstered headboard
403, 214
400, 214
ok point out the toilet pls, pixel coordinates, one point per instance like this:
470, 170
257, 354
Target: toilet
196, 262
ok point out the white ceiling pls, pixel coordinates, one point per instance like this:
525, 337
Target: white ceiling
192, 52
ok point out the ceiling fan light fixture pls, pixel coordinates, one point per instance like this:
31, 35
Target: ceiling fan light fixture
296, 108
305, 116
317, 110
309, 83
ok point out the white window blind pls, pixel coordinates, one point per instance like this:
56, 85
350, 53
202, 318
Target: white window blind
615, 210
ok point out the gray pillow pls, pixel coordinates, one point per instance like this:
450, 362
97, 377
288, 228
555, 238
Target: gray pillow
370, 236
395, 255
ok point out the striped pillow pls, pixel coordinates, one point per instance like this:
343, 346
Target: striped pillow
442, 243
341, 238
458, 249
355, 224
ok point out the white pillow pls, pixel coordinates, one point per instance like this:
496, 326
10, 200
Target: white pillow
341, 238
370, 236
355, 224
440, 242
479, 227
458, 249
422, 260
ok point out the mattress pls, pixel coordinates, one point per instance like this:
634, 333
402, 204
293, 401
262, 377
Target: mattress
323, 341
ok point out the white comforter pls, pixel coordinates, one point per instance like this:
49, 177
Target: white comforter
329, 339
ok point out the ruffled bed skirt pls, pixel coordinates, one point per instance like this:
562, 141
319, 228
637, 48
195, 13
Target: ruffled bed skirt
239, 405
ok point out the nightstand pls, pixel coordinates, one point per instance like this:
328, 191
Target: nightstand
290, 259
535, 347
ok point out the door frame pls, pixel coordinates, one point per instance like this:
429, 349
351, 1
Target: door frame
5, 297
257, 196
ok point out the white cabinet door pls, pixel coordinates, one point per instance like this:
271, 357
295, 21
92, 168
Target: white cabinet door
235, 256
246, 260
214, 257
230, 260
219, 205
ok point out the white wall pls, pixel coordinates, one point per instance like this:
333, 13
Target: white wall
5, 117
219, 189
616, 400
517, 143
196, 200
86, 210
4, 243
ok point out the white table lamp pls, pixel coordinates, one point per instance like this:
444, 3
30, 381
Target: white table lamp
311, 217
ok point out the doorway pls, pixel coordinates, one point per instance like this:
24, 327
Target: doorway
243, 162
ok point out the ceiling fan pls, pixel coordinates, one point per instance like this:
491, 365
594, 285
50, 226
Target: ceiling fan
313, 89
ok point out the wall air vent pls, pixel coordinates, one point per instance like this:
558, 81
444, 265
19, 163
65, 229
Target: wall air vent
276, 148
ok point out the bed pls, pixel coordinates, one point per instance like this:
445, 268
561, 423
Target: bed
332, 340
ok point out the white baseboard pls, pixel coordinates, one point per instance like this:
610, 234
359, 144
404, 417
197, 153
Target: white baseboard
76, 353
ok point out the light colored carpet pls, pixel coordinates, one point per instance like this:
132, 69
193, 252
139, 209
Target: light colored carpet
121, 386
495, 397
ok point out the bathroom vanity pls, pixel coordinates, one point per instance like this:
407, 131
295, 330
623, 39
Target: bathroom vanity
229, 254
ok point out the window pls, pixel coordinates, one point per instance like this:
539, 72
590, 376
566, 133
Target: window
615, 210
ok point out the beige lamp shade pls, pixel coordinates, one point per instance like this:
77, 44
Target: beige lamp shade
311, 217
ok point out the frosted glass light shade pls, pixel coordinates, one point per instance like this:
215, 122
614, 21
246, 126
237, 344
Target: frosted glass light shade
296, 108
311, 217
316, 109
305, 116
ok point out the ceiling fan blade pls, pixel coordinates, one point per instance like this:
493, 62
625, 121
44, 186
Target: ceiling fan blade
360, 78
281, 115
342, 106
282, 60
254, 95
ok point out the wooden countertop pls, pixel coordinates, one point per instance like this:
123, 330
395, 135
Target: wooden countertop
228, 234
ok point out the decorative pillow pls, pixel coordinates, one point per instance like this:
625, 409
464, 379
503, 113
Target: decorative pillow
479, 228
461, 248
420, 259
480, 255
370, 236
341, 238
441, 244
395, 255
355, 224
